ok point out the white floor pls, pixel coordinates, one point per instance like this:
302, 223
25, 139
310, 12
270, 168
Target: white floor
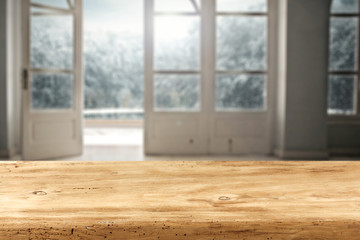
112, 144
126, 144
114, 136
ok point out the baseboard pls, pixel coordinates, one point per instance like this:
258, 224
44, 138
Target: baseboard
344, 152
301, 155
7, 154
4, 154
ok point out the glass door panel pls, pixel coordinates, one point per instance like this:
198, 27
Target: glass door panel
342, 94
177, 61
343, 43
50, 91
177, 43
241, 55
240, 92
241, 43
52, 41
51, 55
177, 92
347, 6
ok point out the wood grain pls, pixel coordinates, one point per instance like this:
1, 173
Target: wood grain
179, 200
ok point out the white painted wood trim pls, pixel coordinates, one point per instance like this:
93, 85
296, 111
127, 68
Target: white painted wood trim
148, 63
4, 154
8, 153
79, 70
301, 155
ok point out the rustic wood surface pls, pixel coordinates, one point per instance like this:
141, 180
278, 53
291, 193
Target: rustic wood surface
179, 200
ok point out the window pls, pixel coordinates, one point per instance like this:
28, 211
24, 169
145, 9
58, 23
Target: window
240, 58
344, 61
177, 64
241, 55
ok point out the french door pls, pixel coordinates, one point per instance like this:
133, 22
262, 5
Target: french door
207, 86
175, 121
52, 86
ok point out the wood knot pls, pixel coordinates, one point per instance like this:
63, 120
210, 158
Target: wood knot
224, 198
41, 193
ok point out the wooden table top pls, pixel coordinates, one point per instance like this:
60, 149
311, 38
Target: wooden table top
179, 200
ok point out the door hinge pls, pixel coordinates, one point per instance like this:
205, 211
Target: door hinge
25, 80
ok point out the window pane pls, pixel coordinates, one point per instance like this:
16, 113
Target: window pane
176, 5
53, 3
50, 91
242, 5
52, 42
240, 92
345, 6
177, 92
113, 57
341, 95
343, 43
241, 43
177, 43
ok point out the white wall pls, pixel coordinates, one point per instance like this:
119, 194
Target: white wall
344, 138
14, 73
303, 73
10, 77
3, 82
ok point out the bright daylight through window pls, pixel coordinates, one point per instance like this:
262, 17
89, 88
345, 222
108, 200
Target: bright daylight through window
177, 63
114, 57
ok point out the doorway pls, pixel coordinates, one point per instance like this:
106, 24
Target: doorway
103, 112
201, 76
113, 79
207, 85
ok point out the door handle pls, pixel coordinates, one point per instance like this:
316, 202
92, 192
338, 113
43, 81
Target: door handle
25, 80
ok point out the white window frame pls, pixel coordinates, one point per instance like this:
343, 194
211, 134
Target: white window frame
343, 118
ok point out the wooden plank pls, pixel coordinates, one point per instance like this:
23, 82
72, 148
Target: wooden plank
179, 200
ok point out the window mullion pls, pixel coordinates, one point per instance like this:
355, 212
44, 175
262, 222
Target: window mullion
208, 54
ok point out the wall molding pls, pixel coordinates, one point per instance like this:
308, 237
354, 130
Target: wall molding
343, 152
302, 154
4, 154
7, 154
